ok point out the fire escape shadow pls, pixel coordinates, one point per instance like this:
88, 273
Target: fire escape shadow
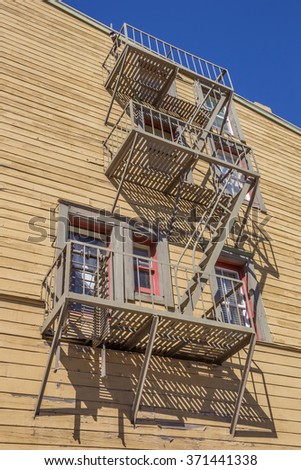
162, 215
93, 392
191, 392
181, 395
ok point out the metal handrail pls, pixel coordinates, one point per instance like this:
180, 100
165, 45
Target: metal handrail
183, 59
142, 118
88, 251
179, 57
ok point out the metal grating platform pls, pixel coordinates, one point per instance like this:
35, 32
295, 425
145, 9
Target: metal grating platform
141, 76
196, 339
175, 107
155, 163
182, 109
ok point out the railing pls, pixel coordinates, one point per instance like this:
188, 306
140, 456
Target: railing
137, 117
95, 272
179, 57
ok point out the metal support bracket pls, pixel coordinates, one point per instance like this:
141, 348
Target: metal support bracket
53, 349
57, 356
242, 385
239, 239
103, 361
116, 86
144, 369
124, 174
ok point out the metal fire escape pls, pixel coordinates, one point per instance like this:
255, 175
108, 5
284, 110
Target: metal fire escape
157, 143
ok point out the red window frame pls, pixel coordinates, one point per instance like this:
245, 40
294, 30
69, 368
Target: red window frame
154, 289
240, 269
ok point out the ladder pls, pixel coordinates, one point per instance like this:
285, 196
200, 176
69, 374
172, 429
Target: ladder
218, 235
220, 104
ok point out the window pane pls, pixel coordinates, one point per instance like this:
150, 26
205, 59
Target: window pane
84, 266
144, 279
142, 266
140, 251
233, 308
236, 180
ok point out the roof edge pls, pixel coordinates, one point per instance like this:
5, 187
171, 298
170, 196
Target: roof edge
81, 16
239, 99
273, 117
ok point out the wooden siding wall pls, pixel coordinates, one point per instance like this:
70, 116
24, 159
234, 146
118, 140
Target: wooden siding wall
52, 129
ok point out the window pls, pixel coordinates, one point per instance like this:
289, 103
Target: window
113, 256
232, 127
84, 261
210, 104
160, 125
146, 276
236, 294
236, 181
231, 295
89, 263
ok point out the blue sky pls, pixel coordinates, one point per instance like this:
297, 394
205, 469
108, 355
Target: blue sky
257, 40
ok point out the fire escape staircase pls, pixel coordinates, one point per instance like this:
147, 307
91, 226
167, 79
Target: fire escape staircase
213, 249
140, 71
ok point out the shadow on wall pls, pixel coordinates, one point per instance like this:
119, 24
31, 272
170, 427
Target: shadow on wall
176, 217
259, 243
177, 395
255, 237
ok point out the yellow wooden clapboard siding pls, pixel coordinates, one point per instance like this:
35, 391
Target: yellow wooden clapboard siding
48, 54
33, 93
54, 109
67, 83
273, 376
23, 402
12, 83
63, 39
78, 129
89, 423
201, 386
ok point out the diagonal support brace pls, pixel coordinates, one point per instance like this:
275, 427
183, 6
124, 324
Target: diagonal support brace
144, 369
242, 385
124, 174
53, 349
116, 85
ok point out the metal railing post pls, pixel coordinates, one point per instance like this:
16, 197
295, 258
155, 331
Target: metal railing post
67, 261
125, 30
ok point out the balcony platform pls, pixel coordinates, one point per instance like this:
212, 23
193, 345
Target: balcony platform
154, 163
140, 75
154, 149
99, 319
194, 338
175, 107
182, 109
145, 67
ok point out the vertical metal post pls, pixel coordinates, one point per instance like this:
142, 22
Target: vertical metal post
125, 30
53, 349
103, 361
68, 261
132, 113
58, 355
242, 385
144, 369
